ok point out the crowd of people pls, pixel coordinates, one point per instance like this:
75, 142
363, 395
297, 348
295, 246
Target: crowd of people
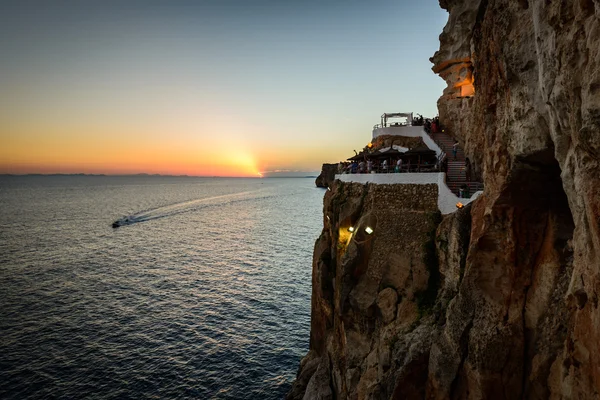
431, 125
393, 166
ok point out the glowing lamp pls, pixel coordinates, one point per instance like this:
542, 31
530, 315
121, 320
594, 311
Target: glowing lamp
370, 145
351, 229
369, 230
328, 188
459, 205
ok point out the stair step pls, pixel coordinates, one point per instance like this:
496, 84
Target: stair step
455, 174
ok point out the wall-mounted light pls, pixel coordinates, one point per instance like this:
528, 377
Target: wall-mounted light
459, 205
351, 229
328, 188
369, 230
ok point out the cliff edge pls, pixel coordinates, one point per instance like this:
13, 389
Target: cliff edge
327, 175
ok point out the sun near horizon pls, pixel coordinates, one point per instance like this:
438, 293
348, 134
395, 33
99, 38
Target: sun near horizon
206, 89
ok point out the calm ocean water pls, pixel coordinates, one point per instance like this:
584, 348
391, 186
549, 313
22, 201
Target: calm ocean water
207, 296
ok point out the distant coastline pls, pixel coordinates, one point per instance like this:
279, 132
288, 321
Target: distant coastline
310, 175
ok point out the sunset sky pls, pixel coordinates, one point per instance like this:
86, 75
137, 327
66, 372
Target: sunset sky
219, 87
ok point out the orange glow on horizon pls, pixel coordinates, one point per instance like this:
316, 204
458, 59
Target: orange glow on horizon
30, 146
121, 162
97, 154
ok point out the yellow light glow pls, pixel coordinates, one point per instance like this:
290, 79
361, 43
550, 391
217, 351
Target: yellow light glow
369, 230
344, 238
466, 86
459, 205
467, 90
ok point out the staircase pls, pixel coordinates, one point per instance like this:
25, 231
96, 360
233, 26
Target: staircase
455, 176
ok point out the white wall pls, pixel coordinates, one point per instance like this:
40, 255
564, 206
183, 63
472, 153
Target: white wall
419, 178
403, 130
446, 199
430, 143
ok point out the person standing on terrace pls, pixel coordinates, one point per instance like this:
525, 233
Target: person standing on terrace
455, 150
399, 165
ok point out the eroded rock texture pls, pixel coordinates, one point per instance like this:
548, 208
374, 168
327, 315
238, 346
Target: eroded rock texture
327, 175
371, 290
403, 141
503, 302
526, 322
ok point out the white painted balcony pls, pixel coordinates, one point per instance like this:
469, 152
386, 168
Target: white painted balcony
393, 124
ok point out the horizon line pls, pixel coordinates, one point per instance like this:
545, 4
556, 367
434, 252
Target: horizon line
157, 175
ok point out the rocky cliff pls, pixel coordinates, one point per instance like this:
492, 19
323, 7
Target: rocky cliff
532, 274
498, 300
375, 275
327, 175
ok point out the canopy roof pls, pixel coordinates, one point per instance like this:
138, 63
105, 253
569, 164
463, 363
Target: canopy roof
386, 116
421, 150
391, 152
421, 154
359, 156
397, 115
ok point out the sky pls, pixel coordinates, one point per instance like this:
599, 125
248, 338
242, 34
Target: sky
207, 87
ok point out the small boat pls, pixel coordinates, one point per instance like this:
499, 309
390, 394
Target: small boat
123, 221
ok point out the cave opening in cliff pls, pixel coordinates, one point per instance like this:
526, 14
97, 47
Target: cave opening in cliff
540, 227
535, 184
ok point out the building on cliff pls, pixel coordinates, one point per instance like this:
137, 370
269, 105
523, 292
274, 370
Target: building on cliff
447, 199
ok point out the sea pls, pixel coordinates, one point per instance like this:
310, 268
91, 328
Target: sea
203, 294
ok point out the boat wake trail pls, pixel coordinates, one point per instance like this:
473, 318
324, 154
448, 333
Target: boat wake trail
184, 207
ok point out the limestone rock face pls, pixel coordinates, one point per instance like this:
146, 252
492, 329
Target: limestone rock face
403, 141
370, 288
533, 265
327, 175
387, 301
500, 299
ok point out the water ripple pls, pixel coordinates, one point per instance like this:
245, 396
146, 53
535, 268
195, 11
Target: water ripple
211, 300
